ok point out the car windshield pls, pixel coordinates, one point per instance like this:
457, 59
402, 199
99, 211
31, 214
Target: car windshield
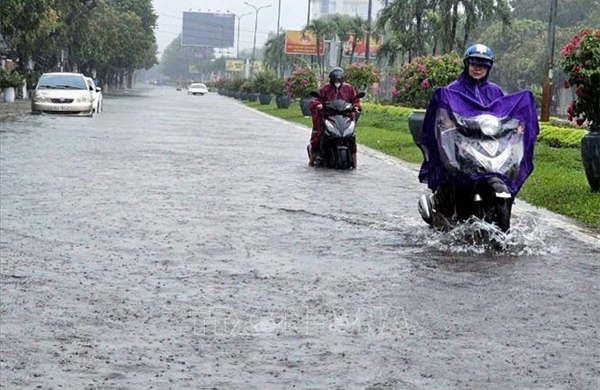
197, 86
62, 81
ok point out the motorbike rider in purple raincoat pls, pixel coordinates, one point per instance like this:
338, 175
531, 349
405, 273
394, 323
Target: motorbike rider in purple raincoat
473, 113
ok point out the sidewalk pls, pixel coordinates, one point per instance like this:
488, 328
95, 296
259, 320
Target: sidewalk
19, 107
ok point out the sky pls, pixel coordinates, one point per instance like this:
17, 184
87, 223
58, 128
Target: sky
293, 17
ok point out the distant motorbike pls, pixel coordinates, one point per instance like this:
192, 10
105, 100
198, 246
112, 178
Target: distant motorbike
339, 136
479, 157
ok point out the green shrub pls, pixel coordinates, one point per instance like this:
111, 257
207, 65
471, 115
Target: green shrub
301, 82
10, 79
235, 84
362, 75
263, 81
560, 137
278, 86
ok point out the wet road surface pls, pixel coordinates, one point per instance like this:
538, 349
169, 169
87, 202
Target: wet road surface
181, 242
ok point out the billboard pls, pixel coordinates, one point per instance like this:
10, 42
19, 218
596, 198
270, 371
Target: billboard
207, 29
299, 42
234, 65
360, 49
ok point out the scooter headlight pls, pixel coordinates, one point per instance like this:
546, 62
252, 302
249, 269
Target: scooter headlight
330, 125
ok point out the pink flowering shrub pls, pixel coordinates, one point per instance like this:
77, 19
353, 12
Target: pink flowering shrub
362, 75
581, 65
415, 81
300, 83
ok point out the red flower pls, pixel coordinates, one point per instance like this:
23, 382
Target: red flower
581, 65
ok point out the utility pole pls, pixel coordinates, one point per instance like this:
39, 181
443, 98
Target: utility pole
368, 41
279, 71
549, 68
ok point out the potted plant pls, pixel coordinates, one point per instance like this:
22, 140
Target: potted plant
234, 87
8, 82
262, 84
247, 92
299, 85
581, 65
278, 89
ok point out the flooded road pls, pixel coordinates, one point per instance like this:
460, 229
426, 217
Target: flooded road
181, 242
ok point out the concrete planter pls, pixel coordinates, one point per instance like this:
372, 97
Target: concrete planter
9, 95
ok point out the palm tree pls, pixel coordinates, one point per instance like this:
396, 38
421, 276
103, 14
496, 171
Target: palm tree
273, 57
413, 23
471, 13
342, 25
358, 26
322, 28
405, 18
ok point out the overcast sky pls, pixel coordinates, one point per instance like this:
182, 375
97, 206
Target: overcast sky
293, 17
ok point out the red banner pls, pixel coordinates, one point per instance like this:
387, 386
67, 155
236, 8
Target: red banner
298, 42
361, 48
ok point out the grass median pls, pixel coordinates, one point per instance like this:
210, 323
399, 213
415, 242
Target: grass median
558, 182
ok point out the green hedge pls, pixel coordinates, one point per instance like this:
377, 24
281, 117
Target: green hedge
551, 135
560, 137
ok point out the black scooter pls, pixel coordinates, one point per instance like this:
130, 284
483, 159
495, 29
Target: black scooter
339, 135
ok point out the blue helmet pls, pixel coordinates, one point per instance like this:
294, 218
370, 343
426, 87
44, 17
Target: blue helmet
479, 54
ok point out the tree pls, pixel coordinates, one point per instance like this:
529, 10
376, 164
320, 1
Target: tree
404, 20
412, 23
275, 57
569, 12
358, 26
342, 26
323, 28
106, 35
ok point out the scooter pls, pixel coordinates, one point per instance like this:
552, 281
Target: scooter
339, 135
483, 156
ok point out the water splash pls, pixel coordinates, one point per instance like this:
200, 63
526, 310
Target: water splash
526, 237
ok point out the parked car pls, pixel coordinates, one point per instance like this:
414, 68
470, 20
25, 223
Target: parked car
197, 89
96, 93
63, 93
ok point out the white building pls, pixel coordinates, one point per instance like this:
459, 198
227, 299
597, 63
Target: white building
321, 8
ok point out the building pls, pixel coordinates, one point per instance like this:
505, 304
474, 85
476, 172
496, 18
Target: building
321, 8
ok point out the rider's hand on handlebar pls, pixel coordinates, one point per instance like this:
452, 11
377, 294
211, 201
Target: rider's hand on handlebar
319, 106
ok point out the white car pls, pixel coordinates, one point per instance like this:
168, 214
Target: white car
62, 93
197, 89
96, 93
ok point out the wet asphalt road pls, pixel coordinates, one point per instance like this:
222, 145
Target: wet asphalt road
180, 242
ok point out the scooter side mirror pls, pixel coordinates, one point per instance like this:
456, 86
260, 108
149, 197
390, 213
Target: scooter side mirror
361, 95
315, 94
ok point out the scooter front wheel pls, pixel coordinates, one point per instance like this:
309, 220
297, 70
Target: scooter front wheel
502, 211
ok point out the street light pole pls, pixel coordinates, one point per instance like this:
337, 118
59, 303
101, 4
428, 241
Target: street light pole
255, 29
279, 71
278, 16
239, 18
368, 41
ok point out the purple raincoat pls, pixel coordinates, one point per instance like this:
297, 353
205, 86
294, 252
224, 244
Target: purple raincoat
460, 101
